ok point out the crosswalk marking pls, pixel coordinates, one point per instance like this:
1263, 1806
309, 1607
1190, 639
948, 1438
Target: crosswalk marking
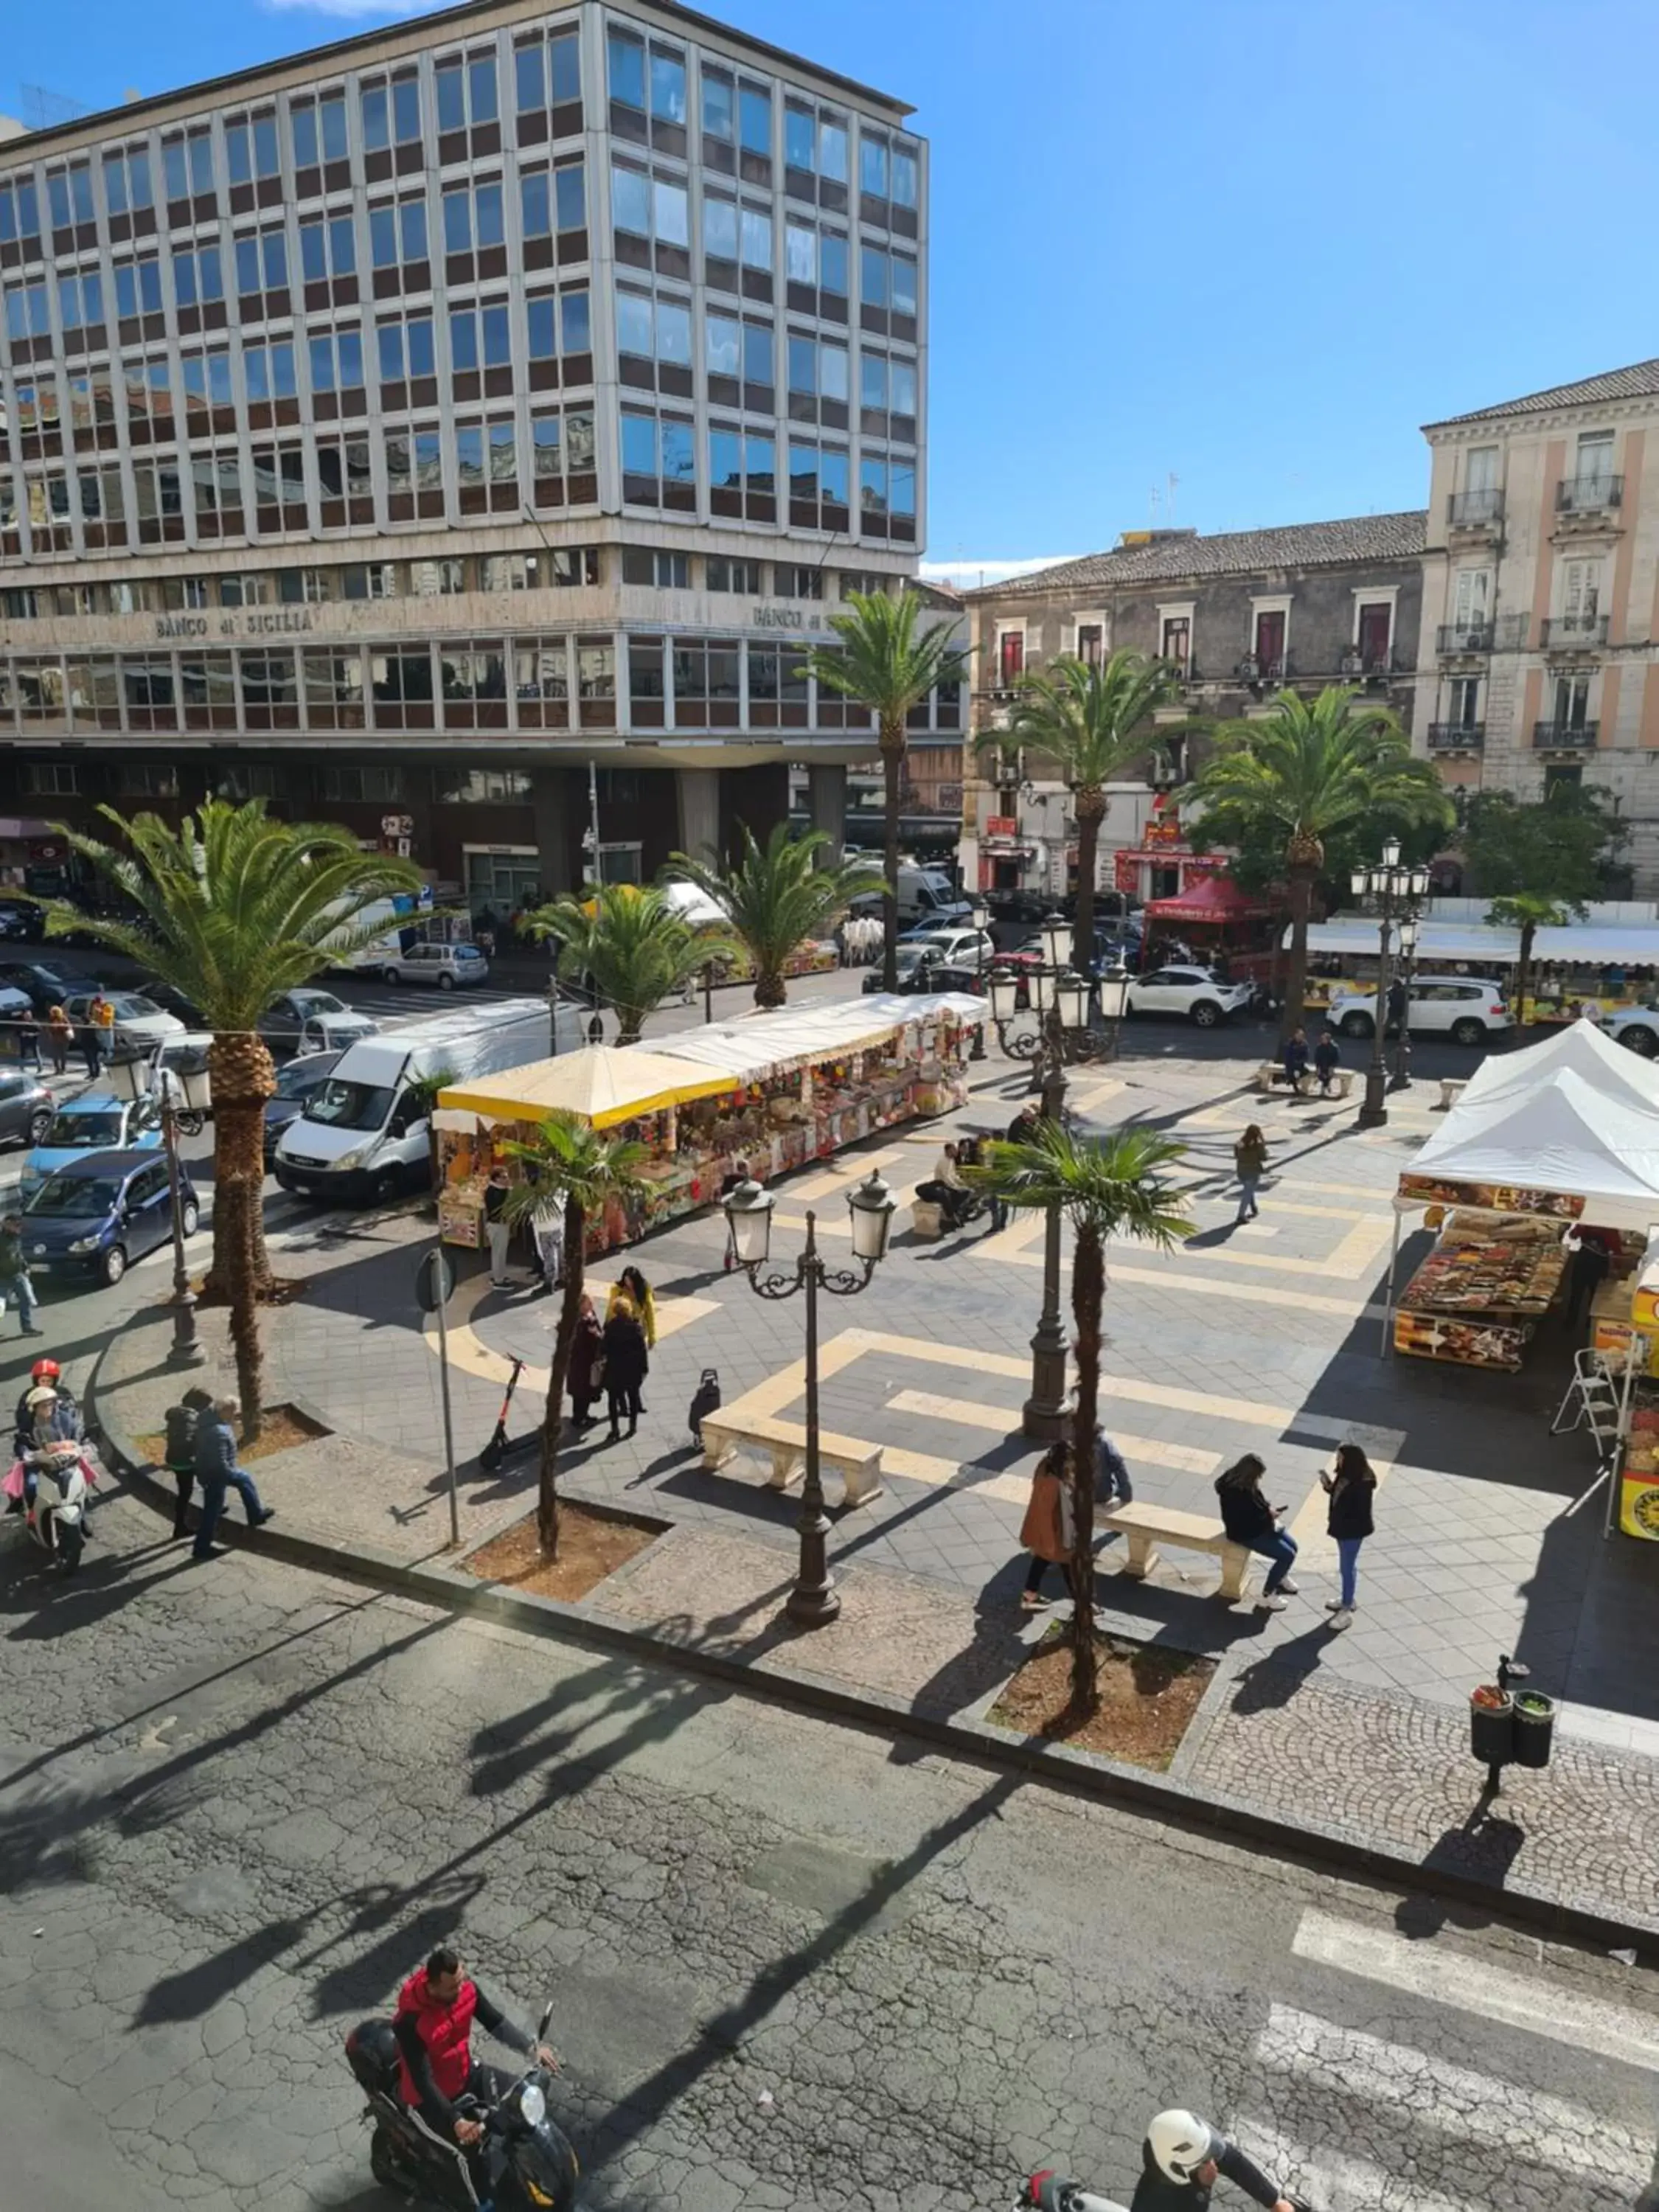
1341, 2065
1450, 1978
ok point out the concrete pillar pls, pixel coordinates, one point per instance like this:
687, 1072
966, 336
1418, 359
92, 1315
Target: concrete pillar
826, 789
549, 799
698, 790
757, 796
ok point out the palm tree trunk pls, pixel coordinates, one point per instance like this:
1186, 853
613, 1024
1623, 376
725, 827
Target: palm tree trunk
1523, 973
1090, 807
243, 1078
1088, 1298
547, 1495
892, 761
770, 988
1301, 879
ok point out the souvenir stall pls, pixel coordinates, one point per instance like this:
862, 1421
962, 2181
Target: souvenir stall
1597, 967
639, 1094
1343, 954
1505, 1179
1224, 927
1624, 1328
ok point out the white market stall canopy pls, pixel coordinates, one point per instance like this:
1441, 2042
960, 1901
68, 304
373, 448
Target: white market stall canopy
1561, 1138
1575, 945
759, 1045
1610, 1068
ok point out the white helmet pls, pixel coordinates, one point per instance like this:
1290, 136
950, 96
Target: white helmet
1181, 2142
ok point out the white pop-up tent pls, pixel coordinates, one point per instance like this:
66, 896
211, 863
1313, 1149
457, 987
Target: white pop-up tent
1560, 1147
1610, 1068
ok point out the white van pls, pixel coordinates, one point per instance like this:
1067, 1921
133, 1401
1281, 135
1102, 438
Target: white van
365, 1134
925, 900
403, 919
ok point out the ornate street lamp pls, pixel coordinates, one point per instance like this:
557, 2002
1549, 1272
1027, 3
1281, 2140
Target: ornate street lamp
1410, 930
1061, 996
1398, 890
812, 1603
181, 1086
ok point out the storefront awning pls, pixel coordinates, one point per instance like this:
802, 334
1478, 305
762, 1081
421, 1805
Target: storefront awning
1212, 898
602, 1085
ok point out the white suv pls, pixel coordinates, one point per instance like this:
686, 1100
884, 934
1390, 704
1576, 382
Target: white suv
1638, 1027
1198, 992
1462, 1007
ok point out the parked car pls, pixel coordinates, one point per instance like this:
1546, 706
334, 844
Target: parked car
294, 1084
42, 986
314, 1020
26, 1107
960, 948
1462, 1007
93, 1122
93, 1216
21, 921
922, 960
138, 1020
924, 976
449, 967
1635, 1027
172, 1000
1199, 993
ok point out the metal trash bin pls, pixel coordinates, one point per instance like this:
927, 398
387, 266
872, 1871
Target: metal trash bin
1535, 1729
1491, 1725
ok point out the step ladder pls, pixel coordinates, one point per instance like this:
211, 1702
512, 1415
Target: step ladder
1593, 1400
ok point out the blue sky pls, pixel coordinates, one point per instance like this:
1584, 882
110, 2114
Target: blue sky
1250, 244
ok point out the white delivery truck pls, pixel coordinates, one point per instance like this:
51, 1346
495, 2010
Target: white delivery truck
404, 919
365, 1132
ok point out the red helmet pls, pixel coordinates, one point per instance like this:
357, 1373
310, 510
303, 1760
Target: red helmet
44, 1370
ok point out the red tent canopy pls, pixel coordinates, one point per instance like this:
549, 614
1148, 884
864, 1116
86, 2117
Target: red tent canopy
1212, 898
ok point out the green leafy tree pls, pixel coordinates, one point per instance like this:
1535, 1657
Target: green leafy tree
889, 665
1091, 719
589, 1166
1311, 770
633, 944
233, 908
777, 896
1115, 1186
424, 1091
1540, 861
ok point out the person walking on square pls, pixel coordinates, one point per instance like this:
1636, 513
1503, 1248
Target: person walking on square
1249, 1519
497, 1227
90, 1038
217, 1470
14, 1274
1249, 1161
1045, 1531
181, 1425
626, 1363
1351, 1488
1328, 1058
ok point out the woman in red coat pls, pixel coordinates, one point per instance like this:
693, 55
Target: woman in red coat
1045, 1531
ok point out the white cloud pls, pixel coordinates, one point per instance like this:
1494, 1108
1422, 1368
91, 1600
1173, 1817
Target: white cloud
968, 575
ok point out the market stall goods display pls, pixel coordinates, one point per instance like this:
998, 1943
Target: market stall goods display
1477, 1297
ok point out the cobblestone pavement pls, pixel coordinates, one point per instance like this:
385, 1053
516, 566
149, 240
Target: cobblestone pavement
791, 1965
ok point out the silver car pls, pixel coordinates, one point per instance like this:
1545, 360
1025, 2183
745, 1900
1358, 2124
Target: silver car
444, 967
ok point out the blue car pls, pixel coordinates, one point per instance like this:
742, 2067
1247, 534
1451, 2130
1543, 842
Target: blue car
93, 1122
92, 1218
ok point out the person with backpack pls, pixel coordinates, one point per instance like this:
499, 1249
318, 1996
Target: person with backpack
1249, 1519
180, 1448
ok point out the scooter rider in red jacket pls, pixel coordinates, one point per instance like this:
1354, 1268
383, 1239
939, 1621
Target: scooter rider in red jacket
436, 2008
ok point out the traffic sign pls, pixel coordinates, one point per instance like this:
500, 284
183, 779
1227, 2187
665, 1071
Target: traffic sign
435, 1282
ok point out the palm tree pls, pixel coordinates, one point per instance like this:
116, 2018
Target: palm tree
887, 664
422, 1093
633, 944
1114, 1186
777, 896
1293, 778
589, 1166
1529, 912
1089, 717
231, 908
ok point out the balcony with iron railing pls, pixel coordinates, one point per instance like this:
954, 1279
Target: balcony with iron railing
1356, 666
1591, 494
1475, 510
1574, 633
1463, 637
1553, 736
1256, 668
1457, 737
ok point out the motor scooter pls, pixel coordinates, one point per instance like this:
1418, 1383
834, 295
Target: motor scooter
57, 1518
1051, 2192
530, 2163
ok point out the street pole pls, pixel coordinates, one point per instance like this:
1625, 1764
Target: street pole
708, 990
1044, 1416
1373, 1112
443, 1389
813, 1603
1402, 1051
187, 1350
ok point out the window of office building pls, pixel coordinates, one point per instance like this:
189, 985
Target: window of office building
666, 571
548, 86
541, 682
742, 474
127, 186
659, 459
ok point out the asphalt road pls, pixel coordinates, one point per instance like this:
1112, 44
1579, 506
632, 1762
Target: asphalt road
791, 1964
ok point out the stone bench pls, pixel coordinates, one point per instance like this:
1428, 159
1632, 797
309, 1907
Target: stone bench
1452, 1088
1147, 1526
1271, 1077
784, 1443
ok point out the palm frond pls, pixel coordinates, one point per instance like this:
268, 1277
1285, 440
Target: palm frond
883, 660
779, 895
1116, 1185
1091, 718
637, 949
566, 1153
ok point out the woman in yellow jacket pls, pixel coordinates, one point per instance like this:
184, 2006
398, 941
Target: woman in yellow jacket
632, 1285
